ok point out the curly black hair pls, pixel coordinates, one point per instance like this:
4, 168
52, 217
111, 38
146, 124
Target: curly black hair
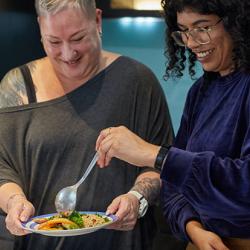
235, 15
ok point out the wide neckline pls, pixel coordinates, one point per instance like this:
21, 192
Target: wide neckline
64, 97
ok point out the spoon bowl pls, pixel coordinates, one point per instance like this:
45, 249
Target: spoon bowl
66, 198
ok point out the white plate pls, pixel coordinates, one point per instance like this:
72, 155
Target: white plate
31, 226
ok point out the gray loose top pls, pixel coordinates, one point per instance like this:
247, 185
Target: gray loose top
46, 146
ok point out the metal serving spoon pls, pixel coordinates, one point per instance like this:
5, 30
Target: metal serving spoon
66, 197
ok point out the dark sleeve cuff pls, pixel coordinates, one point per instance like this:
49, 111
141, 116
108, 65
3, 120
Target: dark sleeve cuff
188, 214
177, 166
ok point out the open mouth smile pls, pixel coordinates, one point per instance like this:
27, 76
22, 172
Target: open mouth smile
203, 54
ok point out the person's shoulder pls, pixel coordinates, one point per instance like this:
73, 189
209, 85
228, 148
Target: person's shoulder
11, 78
130, 63
196, 85
135, 64
109, 57
13, 88
137, 70
15, 75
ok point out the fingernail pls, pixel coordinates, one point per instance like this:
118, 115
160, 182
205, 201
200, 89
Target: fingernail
107, 212
23, 218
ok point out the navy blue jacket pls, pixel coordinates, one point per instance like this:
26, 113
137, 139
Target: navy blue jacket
206, 176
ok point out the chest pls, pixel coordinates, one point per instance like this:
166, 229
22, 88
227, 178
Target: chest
219, 120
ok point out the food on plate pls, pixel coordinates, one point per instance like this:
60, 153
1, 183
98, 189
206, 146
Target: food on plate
71, 220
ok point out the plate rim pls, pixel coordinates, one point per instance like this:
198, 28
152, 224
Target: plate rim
69, 232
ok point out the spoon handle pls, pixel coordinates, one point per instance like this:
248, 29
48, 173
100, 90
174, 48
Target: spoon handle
91, 165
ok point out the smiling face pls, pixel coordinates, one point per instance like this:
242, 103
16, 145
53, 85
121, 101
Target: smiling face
72, 42
215, 56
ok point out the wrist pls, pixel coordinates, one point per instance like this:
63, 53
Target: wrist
161, 157
192, 228
150, 155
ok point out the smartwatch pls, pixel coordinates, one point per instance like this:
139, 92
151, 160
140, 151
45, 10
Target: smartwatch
143, 203
161, 157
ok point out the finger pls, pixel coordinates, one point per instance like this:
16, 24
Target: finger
103, 160
207, 247
26, 213
15, 227
20, 212
100, 162
124, 211
128, 227
105, 133
19, 230
100, 138
107, 145
107, 160
113, 207
124, 224
121, 227
14, 214
218, 245
118, 225
103, 149
128, 223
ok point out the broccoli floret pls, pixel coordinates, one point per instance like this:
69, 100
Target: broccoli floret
106, 219
77, 218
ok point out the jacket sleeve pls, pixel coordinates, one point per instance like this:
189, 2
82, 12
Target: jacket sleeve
208, 181
177, 210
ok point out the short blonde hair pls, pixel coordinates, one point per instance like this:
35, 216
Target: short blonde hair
44, 7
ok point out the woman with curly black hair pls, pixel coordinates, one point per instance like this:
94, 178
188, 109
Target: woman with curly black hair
206, 173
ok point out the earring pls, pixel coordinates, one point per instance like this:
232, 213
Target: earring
100, 33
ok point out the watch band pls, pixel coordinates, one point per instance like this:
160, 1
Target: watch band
136, 194
143, 203
161, 157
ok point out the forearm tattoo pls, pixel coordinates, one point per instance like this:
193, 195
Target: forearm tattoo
12, 89
149, 188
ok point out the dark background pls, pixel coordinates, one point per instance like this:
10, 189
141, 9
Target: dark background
19, 33
28, 5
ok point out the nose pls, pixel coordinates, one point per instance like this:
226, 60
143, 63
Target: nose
191, 43
68, 53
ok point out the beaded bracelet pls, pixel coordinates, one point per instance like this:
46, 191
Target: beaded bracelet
11, 198
161, 157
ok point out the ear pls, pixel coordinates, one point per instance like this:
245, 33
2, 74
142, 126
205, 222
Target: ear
99, 20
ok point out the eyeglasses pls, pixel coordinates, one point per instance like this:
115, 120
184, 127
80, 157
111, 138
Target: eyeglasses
199, 35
